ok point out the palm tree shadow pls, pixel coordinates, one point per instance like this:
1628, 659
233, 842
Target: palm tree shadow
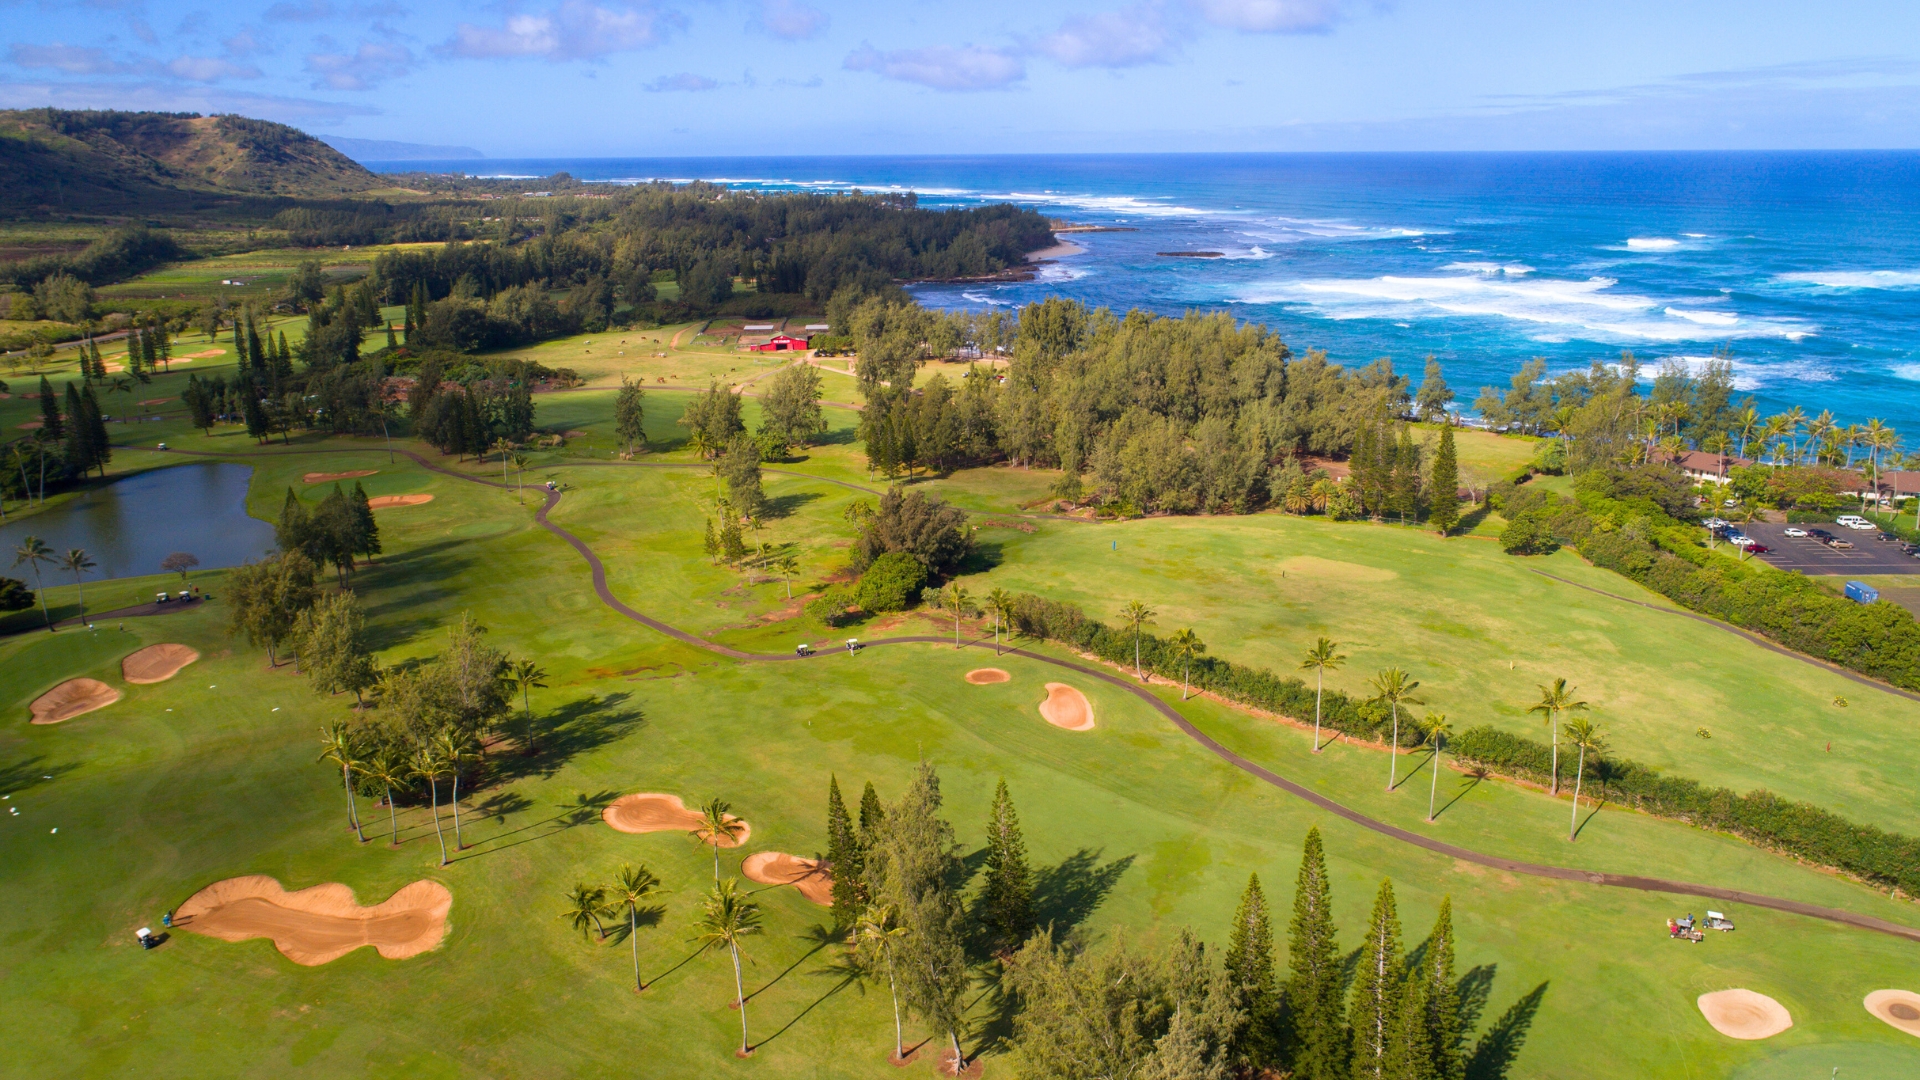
645, 918
1493, 1055
1066, 893
572, 729
1598, 805
684, 961
30, 772
821, 940
1413, 772
802, 1014
1473, 781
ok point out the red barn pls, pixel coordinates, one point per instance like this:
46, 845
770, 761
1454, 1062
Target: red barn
780, 343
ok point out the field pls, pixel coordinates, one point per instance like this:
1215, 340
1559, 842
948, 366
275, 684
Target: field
1134, 825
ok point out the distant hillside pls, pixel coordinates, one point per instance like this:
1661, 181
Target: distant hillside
54, 161
384, 150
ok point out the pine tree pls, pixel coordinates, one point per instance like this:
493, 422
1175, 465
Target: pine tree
255, 416
843, 858
79, 450
1318, 1038
366, 530
164, 342
732, 545
872, 816
1249, 967
1444, 488
712, 543
1409, 1056
283, 363
913, 866
474, 426
1446, 1036
253, 337
1377, 990
1006, 898
1404, 496
51, 423
199, 402
99, 446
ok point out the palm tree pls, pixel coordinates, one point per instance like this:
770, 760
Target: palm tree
1393, 689
1435, 728
787, 566
1137, 614
1876, 437
1554, 700
1582, 733
717, 825
1747, 421
874, 936
956, 599
390, 768
520, 476
1000, 602
34, 551
1321, 659
630, 886
585, 904
1186, 645
427, 766
76, 561
337, 744
1790, 422
455, 748
725, 917
1820, 429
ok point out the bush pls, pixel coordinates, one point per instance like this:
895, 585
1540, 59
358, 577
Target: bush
830, 607
918, 524
14, 595
1529, 534
891, 582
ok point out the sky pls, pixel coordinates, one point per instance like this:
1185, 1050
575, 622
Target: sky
608, 78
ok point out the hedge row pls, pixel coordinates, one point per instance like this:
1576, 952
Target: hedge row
1889, 860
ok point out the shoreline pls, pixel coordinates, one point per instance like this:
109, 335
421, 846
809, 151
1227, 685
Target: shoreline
1061, 249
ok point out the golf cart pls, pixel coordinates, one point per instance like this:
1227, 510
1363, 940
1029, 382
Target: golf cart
1718, 921
802, 649
147, 940
1682, 929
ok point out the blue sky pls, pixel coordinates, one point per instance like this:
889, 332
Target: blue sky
744, 77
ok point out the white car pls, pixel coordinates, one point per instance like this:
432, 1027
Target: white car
1738, 540
1856, 523
1796, 531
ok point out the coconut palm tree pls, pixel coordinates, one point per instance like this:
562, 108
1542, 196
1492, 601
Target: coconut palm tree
1877, 437
1136, 615
1393, 689
1321, 659
1186, 645
1000, 602
585, 904
1554, 700
337, 744
787, 566
455, 748
76, 562
389, 766
1581, 733
1791, 422
874, 937
528, 676
34, 551
717, 825
427, 766
956, 599
1746, 422
630, 886
1436, 730
726, 917
520, 477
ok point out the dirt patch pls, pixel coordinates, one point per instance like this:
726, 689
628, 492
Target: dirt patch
649, 812
811, 877
71, 698
384, 502
156, 401
987, 675
208, 355
1067, 707
1744, 1014
156, 663
323, 923
329, 477
32, 425
1901, 1008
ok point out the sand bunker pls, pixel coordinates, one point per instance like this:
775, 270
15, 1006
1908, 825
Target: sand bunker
1901, 1008
1067, 708
208, 355
156, 401
985, 675
385, 501
326, 477
156, 663
648, 812
71, 698
323, 923
812, 878
1744, 1014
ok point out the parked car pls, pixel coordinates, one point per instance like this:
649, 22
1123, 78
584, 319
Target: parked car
1821, 535
1861, 526
1796, 532
1716, 523
1753, 548
1886, 538
1840, 545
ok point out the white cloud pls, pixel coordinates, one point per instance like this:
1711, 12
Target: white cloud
210, 69
942, 67
1274, 16
363, 69
575, 30
1141, 34
686, 81
72, 59
174, 97
791, 19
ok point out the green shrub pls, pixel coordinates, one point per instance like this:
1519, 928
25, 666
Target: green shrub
14, 595
891, 582
830, 607
1529, 534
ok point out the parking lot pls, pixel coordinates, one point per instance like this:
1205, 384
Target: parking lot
1810, 556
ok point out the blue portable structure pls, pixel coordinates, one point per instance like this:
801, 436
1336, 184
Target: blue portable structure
1862, 593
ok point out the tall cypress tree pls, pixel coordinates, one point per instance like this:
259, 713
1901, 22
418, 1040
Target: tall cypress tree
366, 531
843, 857
79, 449
872, 817
1249, 966
1409, 1055
99, 447
1446, 1035
51, 423
1445, 486
1377, 989
164, 342
283, 361
253, 336
913, 867
1006, 898
1317, 1018
250, 408
475, 426
200, 403
1404, 494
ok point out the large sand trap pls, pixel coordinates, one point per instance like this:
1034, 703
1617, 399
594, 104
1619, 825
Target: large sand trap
156, 401
208, 355
384, 501
156, 663
1901, 1008
1067, 708
1744, 1014
648, 812
71, 698
324, 477
812, 878
985, 675
319, 924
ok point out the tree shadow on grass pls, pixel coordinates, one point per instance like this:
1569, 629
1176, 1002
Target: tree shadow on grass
683, 962
1472, 781
1471, 520
802, 1014
646, 918
821, 937
1418, 767
1493, 1055
1474, 990
785, 505
570, 730
584, 809
30, 772
1065, 894
982, 557
1599, 805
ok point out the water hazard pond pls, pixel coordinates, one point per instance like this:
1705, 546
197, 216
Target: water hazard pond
130, 525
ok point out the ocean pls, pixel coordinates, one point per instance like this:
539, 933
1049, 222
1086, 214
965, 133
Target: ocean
1802, 268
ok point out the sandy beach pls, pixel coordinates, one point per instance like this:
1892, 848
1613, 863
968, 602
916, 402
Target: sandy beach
1062, 248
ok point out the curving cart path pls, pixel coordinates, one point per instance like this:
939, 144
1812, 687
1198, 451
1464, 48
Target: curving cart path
1559, 873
